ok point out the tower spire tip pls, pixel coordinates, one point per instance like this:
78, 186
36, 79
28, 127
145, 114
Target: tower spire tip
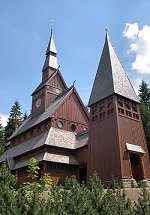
106, 29
107, 35
52, 26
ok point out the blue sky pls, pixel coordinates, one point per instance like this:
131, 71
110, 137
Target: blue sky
79, 37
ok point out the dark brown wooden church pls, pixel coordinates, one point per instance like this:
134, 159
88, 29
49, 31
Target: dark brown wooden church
67, 140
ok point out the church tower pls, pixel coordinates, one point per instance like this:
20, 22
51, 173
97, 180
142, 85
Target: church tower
52, 83
117, 146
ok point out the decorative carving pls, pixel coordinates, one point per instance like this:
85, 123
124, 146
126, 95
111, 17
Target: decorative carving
102, 110
127, 108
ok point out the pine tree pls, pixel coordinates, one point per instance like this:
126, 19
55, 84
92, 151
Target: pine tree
143, 204
2, 141
8, 189
25, 116
14, 120
144, 94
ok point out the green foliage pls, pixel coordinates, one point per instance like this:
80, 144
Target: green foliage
2, 141
46, 180
14, 120
144, 93
25, 116
33, 169
70, 199
35, 183
143, 204
88, 199
7, 192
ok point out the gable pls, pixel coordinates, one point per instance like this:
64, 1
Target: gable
57, 82
72, 110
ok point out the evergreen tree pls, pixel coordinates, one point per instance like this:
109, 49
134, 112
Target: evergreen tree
144, 94
14, 120
25, 116
7, 192
143, 204
2, 141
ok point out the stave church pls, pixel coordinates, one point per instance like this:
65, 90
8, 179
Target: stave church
66, 139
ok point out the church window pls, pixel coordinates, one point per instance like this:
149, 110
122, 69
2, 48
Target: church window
120, 110
134, 109
112, 110
59, 124
128, 113
137, 116
108, 112
120, 103
102, 115
73, 127
127, 106
101, 108
61, 167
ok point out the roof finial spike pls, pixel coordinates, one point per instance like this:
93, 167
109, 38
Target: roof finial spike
52, 25
107, 36
106, 29
74, 83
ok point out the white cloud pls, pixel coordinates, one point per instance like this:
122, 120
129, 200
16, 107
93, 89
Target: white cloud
131, 31
136, 84
139, 45
3, 119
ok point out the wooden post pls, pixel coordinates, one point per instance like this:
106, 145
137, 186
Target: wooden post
130, 165
142, 166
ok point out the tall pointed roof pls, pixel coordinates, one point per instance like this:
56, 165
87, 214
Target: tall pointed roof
111, 77
51, 54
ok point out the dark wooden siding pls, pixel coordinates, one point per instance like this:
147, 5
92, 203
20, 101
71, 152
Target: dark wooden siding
82, 155
131, 131
71, 112
104, 155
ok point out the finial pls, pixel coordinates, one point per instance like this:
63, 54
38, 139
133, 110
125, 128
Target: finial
107, 35
106, 29
74, 83
52, 25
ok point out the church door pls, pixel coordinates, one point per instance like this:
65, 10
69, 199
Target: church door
136, 166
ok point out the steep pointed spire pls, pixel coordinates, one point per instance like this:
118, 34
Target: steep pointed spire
111, 77
51, 54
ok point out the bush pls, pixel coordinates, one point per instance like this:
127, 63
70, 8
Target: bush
70, 199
